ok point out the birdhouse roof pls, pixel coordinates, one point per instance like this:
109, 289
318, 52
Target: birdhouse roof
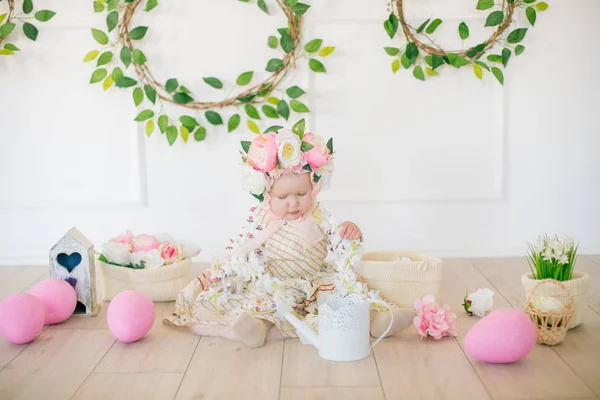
78, 237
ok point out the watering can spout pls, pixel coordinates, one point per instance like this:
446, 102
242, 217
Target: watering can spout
303, 329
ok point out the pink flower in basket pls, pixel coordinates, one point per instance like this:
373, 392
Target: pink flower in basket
124, 238
170, 252
434, 320
144, 242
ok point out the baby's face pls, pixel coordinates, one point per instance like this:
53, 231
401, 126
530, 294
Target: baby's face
291, 196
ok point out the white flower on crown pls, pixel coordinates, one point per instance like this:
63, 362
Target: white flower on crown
254, 181
289, 150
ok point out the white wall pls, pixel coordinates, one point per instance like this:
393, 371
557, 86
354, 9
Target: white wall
452, 166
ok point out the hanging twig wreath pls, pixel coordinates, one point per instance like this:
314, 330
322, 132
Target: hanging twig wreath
8, 25
425, 57
120, 14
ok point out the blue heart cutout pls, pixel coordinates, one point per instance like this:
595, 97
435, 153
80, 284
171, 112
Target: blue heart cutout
69, 261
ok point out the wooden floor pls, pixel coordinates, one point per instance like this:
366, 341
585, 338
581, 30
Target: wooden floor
79, 359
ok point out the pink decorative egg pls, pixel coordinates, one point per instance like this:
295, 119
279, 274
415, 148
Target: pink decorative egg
130, 316
58, 297
21, 318
504, 336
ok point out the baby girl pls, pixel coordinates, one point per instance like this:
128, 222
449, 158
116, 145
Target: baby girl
279, 257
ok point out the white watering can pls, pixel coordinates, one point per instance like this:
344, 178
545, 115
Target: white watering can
344, 326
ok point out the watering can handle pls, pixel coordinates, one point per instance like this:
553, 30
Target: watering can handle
384, 304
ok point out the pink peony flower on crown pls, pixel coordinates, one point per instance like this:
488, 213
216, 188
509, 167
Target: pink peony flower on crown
144, 242
319, 154
124, 238
262, 153
434, 320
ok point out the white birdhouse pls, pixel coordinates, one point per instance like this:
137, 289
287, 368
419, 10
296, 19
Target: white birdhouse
72, 259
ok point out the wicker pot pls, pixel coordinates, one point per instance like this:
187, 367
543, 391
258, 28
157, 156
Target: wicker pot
401, 282
578, 288
551, 326
160, 284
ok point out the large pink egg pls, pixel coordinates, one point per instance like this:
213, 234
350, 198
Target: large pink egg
504, 336
130, 316
21, 318
58, 297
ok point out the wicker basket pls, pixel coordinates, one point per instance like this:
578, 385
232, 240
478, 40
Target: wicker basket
401, 282
578, 287
160, 284
551, 327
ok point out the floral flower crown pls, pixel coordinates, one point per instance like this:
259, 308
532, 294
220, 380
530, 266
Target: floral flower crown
280, 150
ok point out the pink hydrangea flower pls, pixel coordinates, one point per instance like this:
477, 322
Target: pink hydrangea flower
434, 320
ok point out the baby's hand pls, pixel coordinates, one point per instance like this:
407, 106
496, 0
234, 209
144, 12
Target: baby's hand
350, 231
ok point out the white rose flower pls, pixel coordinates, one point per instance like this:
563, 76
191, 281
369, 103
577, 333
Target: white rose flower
480, 302
289, 150
254, 181
118, 253
547, 304
152, 259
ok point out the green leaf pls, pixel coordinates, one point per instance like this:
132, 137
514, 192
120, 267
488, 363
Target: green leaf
283, 109
519, 49
234, 122
247, 99
117, 74
244, 78
325, 51
423, 25
200, 134
305, 146
298, 106
463, 31
126, 82
287, 43
542, 6
313, 46
273, 128
531, 15
105, 58
300, 8
299, 128
494, 58
436, 61
252, 126
138, 96
98, 75
405, 61
431, 72
2, 17
112, 4
392, 51
44, 15
11, 47
457, 61
478, 71
112, 19
100, 36
494, 18
433, 26
185, 133
6, 29
138, 33
396, 65
418, 73
272, 42
505, 56
294, 92
214, 82
498, 74
316, 65
485, 4
474, 51
171, 134
151, 4
6, 52
189, 122
517, 35
150, 93
428, 60
126, 56
213, 117
98, 7
412, 52
27, 6
330, 145
391, 25
149, 127
274, 65
252, 111
138, 57
269, 111
171, 85
163, 123
263, 6
182, 98
144, 115
273, 100
529, 1
482, 64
